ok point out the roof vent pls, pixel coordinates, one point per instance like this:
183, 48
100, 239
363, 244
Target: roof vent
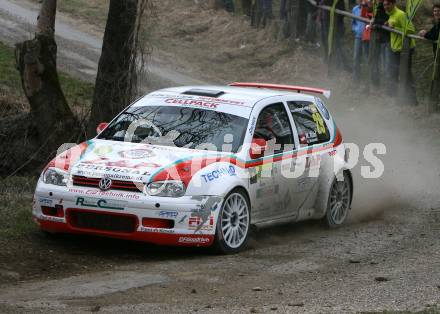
204, 92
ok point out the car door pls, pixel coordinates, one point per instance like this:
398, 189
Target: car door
269, 188
312, 132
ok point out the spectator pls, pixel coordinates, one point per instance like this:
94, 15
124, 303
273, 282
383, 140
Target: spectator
246, 7
397, 20
306, 22
339, 53
312, 13
283, 12
433, 32
266, 10
366, 12
261, 11
228, 5
382, 47
358, 28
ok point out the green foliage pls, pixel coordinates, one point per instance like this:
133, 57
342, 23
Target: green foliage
331, 30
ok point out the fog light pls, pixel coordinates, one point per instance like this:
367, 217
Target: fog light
56, 211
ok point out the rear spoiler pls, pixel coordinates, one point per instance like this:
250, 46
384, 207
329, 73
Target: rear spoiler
299, 89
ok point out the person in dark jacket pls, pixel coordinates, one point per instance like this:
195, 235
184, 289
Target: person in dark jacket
357, 28
432, 34
382, 52
228, 5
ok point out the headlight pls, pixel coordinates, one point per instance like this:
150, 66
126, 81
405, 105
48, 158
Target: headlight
55, 176
166, 188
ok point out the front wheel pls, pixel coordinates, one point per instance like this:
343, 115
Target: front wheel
233, 225
339, 202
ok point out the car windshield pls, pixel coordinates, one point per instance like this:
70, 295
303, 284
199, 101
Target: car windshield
178, 126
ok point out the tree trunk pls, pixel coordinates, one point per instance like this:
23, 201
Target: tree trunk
36, 62
116, 81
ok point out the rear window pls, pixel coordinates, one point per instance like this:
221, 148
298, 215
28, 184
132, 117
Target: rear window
178, 126
310, 124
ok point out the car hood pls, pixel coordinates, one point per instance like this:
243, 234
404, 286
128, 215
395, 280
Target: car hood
130, 161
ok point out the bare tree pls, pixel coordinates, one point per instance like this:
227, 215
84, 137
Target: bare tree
117, 78
37, 63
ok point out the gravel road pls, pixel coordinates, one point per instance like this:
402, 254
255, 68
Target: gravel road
387, 257
78, 50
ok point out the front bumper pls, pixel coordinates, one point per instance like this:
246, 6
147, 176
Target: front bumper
189, 220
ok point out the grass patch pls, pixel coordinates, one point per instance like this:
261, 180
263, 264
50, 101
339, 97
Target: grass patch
77, 92
15, 207
16, 192
93, 12
9, 78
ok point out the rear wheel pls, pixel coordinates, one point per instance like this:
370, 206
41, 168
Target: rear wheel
339, 202
233, 225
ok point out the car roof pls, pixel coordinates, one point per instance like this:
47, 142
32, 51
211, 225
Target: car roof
248, 96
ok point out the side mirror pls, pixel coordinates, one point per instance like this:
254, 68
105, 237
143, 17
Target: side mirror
258, 147
101, 127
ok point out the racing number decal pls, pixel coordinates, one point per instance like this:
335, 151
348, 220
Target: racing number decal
320, 127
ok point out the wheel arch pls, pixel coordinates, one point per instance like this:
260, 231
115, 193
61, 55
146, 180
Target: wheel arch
246, 192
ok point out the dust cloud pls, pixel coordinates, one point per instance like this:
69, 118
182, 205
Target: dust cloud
411, 178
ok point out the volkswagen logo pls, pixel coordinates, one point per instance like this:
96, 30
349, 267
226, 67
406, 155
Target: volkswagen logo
105, 184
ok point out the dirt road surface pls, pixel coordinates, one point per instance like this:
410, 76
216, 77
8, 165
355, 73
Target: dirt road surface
78, 50
386, 258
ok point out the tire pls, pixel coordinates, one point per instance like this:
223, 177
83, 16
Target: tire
339, 202
233, 223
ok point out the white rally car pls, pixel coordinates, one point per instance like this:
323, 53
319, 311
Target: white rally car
198, 166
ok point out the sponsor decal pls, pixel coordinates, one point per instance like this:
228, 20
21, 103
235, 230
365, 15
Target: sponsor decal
183, 219
195, 103
203, 98
332, 153
320, 125
51, 218
204, 211
196, 223
105, 194
100, 203
103, 150
115, 167
194, 240
168, 214
113, 176
156, 230
221, 172
252, 125
137, 153
45, 201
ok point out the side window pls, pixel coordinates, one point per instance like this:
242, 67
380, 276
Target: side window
309, 123
273, 123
